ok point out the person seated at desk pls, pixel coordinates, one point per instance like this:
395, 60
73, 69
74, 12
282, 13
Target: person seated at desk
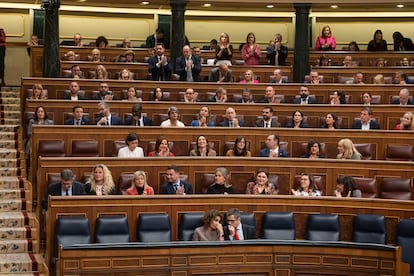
40, 118
307, 186
74, 92
174, 185
222, 73
402, 43
347, 62
96, 56
77, 119
66, 187
272, 149
365, 122
239, 148
270, 96
137, 118
132, 95
204, 118
139, 185
231, 119
100, 73
403, 98
105, 117
220, 97
378, 43
347, 150
357, 79
249, 78
37, 92
246, 97
400, 77
346, 187
407, 122
132, 150
162, 148
313, 150
338, 97
221, 184
235, 229
104, 93
304, 97
212, 230
101, 182
190, 96
267, 121
76, 72
314, 78
277, 77
125, 74
174, 116
188, 66
202, 148
297, 120
330, 121
261, 184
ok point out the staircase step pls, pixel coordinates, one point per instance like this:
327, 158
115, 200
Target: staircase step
9, 163
12, 194
18, 219
10, 114
9, 153
9, 128
10, 107
21, 262
16, 246
10, 172
17, 233
12, 205
8, 135
9, 121
11, 182
9, 100
8, 144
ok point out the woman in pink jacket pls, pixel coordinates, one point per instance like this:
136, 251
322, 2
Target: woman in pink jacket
326, 41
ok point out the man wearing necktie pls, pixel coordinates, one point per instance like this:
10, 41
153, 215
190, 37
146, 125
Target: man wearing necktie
174, 185
137, 118
267, 120
78, 118
66, 187
106, 118
235, 229
188, 66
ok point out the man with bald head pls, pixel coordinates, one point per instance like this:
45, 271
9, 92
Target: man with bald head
231, 119
188, 66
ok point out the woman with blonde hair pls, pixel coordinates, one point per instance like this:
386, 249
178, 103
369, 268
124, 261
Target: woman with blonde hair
379, 79
407, 122
347, 150
224, 50
37, 92
139, 185
100, 72
101, 182
222, 183
249, 77
125, 74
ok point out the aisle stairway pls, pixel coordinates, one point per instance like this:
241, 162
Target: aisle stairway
19, 228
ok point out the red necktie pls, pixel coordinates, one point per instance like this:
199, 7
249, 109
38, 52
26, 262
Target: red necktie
236, 235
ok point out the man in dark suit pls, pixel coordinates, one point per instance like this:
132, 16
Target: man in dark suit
220, 74
267, 121
160, 65
105, 117
246, 97
74, 92
104, 93
365, 122
188, 66
272, 148
66, 187
174, 185
403, 98
137, 118
77, 119
304, 97
156, 38
231, 119
220, 97
236, 230
277, 77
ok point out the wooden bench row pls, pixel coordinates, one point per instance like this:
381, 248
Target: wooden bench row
376, 141
275, 257
56, 89
174, 206
363, 58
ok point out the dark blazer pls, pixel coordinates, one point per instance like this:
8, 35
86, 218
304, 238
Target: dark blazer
271, 54
311, 100
265, 153
67, 97
372, 124
214, 75
397, 101
98, 96
225, 123
180, 65
163, 72
273, 123
283, 81
168, 188
71, 121
55, 189
407, 43
249, 232
115, 120
150, 42
242, 101
130, 121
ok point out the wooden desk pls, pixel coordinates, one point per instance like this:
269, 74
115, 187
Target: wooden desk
174, 206
274, 257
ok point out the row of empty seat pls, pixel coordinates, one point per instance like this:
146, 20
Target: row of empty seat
156, 227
